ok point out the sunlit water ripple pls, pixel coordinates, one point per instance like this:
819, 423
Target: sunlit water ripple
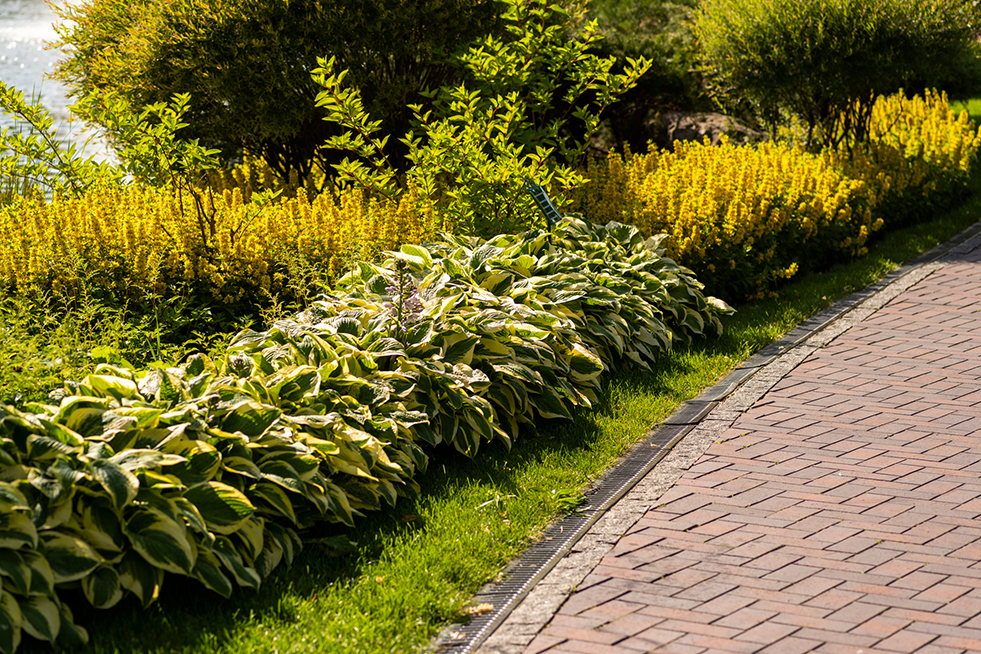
26, 29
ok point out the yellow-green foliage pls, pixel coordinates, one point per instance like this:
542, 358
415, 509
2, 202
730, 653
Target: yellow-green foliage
745, 217
137, 241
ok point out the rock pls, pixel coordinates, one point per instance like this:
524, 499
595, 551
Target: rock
673, 126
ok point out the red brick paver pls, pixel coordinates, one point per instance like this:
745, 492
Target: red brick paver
838, 514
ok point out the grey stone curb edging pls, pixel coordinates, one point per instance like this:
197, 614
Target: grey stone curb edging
537, 582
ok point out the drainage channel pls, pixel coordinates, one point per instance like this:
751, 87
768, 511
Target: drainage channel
529, 568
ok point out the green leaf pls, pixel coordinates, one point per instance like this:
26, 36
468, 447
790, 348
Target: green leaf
207, 570
276, 497
232, 560
121, 484
223, 507
416, 255
101, 526
41, 617
14, 568
202, 460
160, 540
70, 558
42, 579
458, 348
11, 621
249, 417
118, 388
102, 588
140, 578
70, 636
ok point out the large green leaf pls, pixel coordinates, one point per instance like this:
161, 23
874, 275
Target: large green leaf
140, 578
207, 570
120, 484
230, 557
17, 530
102, 587
41, 617
249, 417
13, 567
223, 507
11, 621
70, 557
161, 540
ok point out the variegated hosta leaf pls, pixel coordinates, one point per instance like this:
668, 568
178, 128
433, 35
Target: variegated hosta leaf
102, 587
161, 540
119, 483
41, 617
11, 621
223, 507
70, 558
140, 577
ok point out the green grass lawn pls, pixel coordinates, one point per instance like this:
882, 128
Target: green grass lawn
412, 570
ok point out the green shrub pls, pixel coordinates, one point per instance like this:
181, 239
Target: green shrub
660, 31
247, 64
510, 117
212, 471
824, 62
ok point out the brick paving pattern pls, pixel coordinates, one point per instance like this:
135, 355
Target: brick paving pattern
838, 515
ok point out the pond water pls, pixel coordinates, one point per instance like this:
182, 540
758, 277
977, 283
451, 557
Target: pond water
26, 29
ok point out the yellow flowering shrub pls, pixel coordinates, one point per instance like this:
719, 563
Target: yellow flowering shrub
745, 217
137, 241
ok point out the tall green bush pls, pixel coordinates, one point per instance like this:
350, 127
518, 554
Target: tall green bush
247, 64
823, 62
660, 31
526, 105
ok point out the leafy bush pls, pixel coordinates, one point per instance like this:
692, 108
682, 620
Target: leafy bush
247, 65
824, 62
212, 471
659, 31
745, 218
511, 116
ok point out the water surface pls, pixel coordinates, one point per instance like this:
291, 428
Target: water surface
26, 60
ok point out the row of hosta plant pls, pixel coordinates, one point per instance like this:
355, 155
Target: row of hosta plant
213, 470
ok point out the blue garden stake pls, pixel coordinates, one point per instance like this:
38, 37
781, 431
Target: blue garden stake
541, 199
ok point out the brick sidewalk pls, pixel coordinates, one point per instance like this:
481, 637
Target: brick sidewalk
838, 514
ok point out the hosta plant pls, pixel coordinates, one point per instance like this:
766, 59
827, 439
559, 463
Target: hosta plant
214, 469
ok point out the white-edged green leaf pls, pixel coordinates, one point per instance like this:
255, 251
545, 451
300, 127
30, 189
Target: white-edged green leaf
244, 575
102, 587
140, 578
118, 388
13, 567
140, 459
251, 535
42, 578
249, 417
160, 540
10, 623
202, 460
276, 497
416, 255
223, 507
121, 484
41, 617
70, 636
70, 557
207, 570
